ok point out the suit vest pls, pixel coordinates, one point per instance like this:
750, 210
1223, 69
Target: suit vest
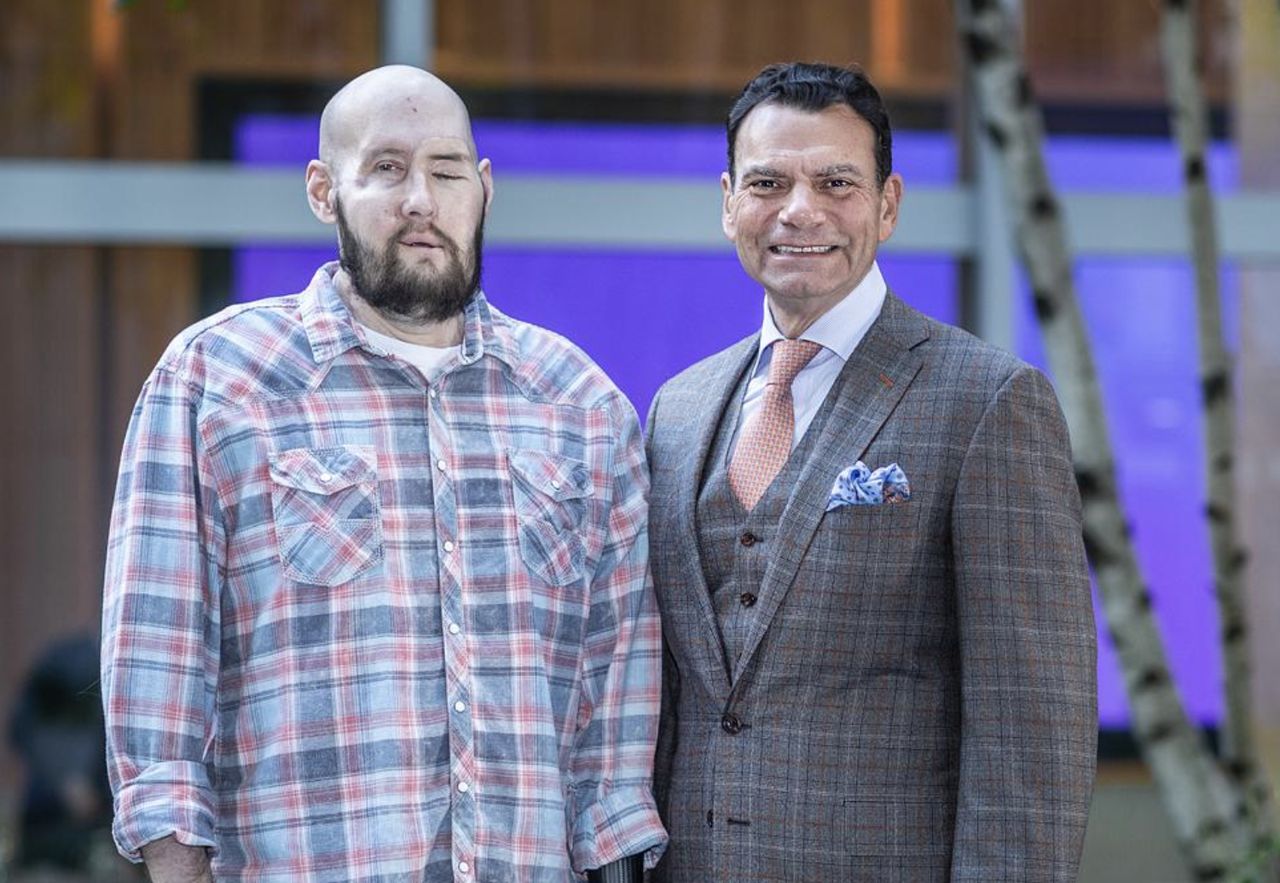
734, 544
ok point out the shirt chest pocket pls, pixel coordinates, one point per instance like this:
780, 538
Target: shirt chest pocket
551, 493
327, 518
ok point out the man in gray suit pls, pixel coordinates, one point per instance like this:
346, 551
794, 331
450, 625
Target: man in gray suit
880, 659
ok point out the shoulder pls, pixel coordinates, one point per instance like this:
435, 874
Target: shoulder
954, 358
241, 346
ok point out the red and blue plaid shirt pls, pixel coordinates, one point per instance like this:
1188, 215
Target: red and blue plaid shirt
365, 625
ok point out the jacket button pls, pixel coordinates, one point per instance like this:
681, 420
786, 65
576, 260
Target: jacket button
746, 599
730, 724
748, 538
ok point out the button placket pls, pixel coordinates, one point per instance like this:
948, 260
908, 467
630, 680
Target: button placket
451, 565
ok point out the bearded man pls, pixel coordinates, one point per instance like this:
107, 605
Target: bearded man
376, 603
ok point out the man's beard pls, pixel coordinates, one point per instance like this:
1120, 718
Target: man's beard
389, 286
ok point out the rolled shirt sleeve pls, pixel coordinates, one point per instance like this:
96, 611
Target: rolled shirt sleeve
612, 767
160, 624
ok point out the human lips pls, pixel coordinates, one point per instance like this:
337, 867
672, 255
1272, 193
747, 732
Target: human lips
419, 242
789, 249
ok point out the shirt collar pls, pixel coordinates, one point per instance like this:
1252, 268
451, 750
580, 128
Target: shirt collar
841, 328
332, 330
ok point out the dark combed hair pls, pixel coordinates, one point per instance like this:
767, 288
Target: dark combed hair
814, 87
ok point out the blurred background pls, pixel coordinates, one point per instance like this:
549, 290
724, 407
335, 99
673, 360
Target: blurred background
151, 159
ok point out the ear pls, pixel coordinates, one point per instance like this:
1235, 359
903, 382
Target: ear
890, 201
727, 221
320, 193
485, 168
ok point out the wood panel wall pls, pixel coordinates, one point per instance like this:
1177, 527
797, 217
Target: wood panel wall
84, 325
1090, 51
116, 79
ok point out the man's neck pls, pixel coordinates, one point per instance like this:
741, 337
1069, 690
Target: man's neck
425, 333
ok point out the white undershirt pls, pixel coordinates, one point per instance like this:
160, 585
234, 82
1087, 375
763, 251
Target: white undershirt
425, 358
839, 330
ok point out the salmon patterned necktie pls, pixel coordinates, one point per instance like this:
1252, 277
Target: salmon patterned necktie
765, 443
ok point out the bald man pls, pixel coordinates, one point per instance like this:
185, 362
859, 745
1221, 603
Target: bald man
376, 604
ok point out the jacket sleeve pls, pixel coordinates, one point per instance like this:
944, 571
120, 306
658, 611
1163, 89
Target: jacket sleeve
160, 625
612, 765
1027, 645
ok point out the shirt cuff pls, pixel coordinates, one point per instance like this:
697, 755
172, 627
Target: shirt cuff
625, 822
165, 799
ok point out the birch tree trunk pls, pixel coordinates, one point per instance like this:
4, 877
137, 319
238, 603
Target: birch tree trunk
1190, 126
1201, 800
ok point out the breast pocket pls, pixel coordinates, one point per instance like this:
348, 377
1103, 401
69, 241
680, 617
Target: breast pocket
327, 518
551, 493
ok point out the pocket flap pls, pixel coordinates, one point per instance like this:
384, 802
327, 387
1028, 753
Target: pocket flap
556, 476
324, 470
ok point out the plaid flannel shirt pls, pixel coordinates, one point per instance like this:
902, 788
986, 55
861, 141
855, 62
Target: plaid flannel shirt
365, 625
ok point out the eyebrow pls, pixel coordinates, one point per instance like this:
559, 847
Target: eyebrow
839, 169
763, 172
402, 151
824, 172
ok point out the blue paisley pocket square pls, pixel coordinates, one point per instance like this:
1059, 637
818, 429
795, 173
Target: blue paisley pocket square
859, 486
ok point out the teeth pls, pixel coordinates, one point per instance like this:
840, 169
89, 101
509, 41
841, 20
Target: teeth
802, 249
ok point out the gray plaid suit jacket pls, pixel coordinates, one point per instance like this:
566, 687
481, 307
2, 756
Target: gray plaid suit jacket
916, 700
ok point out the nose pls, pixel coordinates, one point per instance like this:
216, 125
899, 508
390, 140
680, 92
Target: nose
419, 201
800, 209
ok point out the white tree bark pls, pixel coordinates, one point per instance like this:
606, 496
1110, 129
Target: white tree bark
1201, 800
1190, 126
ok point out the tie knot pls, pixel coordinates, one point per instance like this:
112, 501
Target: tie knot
789, 357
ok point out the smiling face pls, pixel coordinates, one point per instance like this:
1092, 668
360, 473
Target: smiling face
398, 174
804, 209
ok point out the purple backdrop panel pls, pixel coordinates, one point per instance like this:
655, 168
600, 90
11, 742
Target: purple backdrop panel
267, 270
1151, 165
276, 139
1140, 316
694, 151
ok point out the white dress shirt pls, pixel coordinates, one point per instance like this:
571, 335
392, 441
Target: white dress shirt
839, 330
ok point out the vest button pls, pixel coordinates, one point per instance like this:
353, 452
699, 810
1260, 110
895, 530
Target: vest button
730, 724
746, 599
748, 538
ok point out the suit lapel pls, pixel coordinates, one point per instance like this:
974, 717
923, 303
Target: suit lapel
708, 404
867, 390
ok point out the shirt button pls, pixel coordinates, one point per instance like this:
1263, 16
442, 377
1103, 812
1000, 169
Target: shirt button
555, 485
459, 706
463, 867
448, 545
746, 599
326, 477
454, 628
440, 464
464, 787
432, 392
730, 724
748, 538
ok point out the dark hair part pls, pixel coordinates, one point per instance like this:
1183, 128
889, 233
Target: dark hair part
815, 87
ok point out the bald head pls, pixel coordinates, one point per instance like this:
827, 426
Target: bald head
363, 107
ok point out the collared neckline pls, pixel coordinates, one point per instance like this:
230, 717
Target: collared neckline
332, 330
840, 329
